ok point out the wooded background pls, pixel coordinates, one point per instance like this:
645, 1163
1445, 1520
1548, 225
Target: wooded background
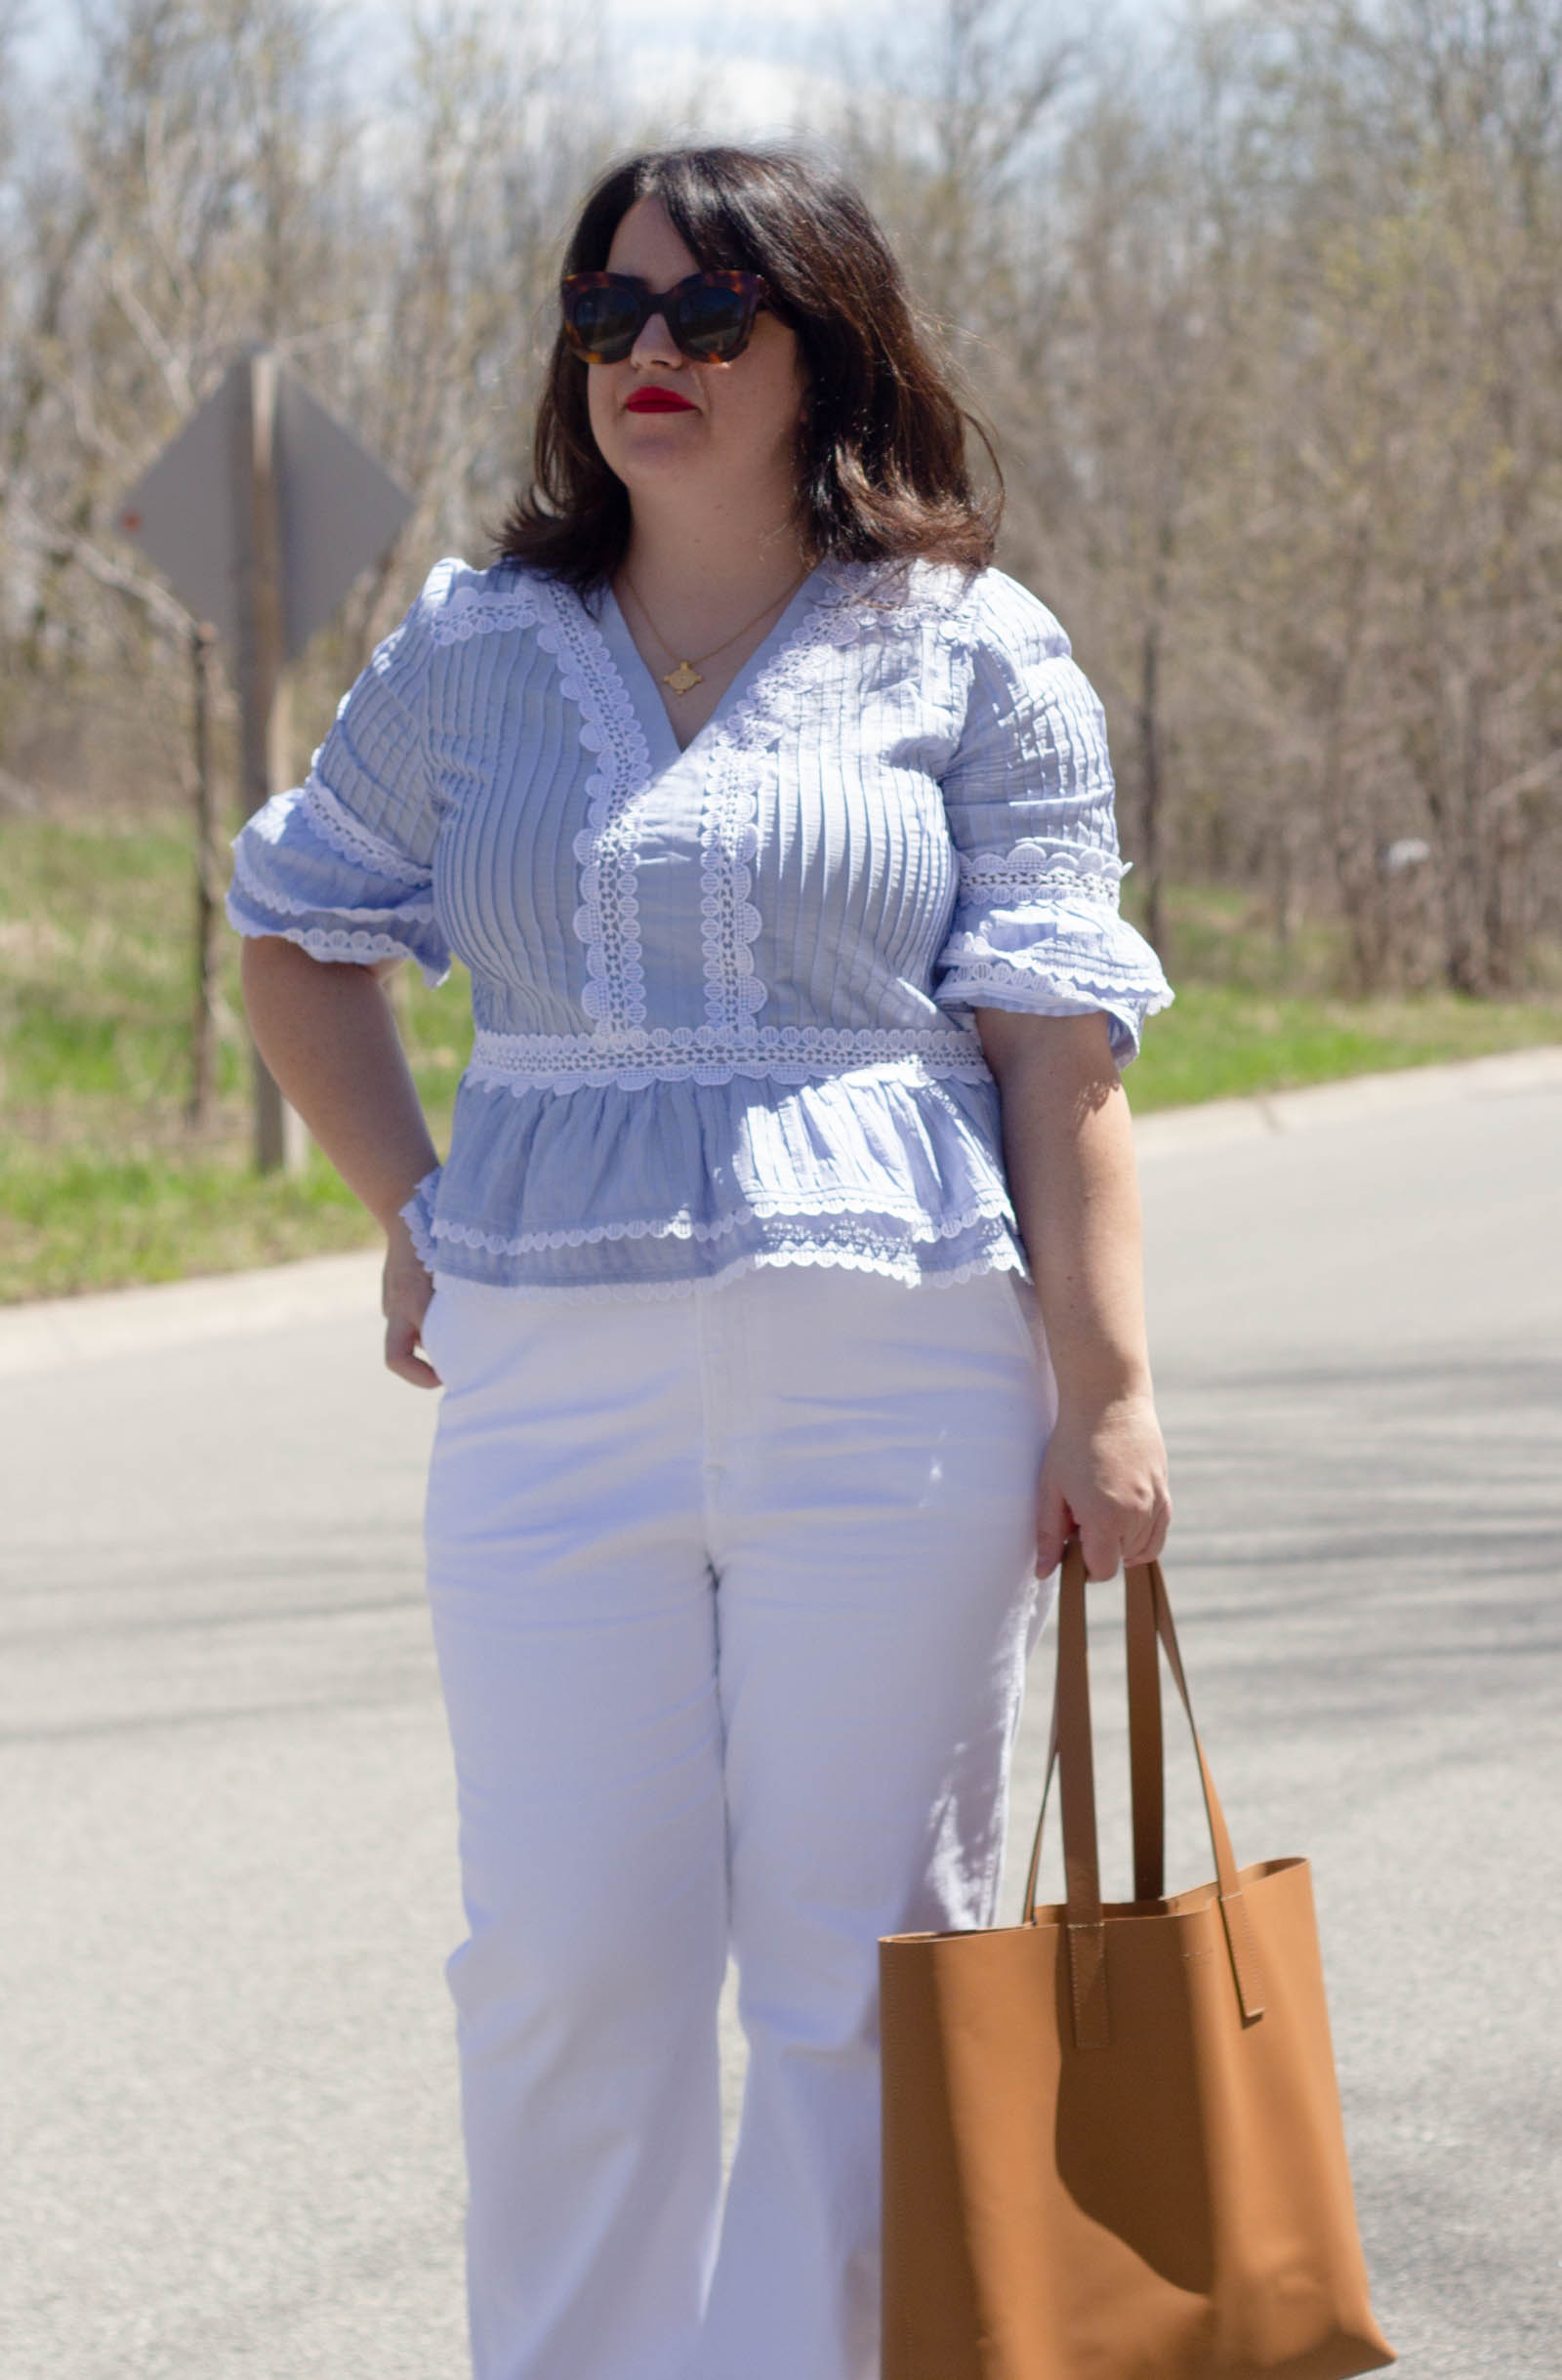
1263, 307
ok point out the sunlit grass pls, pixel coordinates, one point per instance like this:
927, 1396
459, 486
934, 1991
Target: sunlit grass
88, 1216
1221, 1042
103, 1182
102, 1179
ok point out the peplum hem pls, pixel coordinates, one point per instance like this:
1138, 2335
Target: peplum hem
881, 1171
998, 1253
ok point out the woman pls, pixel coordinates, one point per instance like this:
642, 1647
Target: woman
775, 827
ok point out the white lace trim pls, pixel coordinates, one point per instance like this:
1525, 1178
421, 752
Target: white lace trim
320, 941
1040, 972
1000, 1255
729, 830
608, 920
791, 1054
480, 612
711, 1077
1023, 878
418, 1216
857, 594
351, 838
730, 839
857, 1204
267, 896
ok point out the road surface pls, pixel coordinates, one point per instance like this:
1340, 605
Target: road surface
227, 2100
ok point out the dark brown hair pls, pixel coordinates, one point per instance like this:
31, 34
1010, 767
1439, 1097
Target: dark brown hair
882, 469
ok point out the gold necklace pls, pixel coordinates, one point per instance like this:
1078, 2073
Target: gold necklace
685, 676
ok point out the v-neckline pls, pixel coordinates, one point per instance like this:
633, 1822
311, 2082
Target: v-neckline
624, 658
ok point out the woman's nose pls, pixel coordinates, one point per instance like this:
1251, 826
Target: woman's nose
655, 344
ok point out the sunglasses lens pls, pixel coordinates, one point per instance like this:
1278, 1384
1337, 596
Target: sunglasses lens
712, 322
710, 316
603, 323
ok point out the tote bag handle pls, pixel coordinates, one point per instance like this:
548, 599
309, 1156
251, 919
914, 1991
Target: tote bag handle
1148, 1623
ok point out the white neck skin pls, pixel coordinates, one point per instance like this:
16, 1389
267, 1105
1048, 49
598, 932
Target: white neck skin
708, 585
702, 569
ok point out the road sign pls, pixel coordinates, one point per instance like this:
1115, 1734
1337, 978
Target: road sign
339, 510
262, 512
182, 514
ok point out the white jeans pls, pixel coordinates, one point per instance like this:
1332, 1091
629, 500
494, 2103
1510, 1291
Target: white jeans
732, 1595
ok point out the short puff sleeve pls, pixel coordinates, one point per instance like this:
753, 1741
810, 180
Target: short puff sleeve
343, 864
1028, 797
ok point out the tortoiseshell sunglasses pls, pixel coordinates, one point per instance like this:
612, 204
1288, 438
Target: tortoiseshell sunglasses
711, 314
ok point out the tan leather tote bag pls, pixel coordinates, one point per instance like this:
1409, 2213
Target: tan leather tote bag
1112, 2142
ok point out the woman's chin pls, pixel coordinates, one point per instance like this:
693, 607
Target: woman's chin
657, 464
654, 437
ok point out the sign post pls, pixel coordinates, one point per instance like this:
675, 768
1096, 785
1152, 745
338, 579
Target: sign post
203, 1021
261, 652
262, 512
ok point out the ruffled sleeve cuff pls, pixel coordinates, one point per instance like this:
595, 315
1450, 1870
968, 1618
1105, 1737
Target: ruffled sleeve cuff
1037, 931
418, 1216
306, 870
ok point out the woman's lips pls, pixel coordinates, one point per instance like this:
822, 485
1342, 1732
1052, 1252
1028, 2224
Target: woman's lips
658, 400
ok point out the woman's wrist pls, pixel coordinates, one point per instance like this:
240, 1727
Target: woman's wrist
1085, 1391
391, 1203
409, 1227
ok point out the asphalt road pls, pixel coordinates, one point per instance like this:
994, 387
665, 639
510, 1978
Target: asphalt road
228, 2139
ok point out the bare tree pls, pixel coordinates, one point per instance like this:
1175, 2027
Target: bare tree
1262, 308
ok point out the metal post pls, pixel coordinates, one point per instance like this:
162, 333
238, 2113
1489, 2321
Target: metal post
203, 1022
280, 1139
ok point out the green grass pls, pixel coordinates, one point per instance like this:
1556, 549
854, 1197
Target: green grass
1222, 1042
87, 1217
101, 1183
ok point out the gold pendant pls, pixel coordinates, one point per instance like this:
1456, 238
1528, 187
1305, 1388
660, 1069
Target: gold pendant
684, 677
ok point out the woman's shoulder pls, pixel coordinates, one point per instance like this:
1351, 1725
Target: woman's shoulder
460, 599
978, 610
998, 614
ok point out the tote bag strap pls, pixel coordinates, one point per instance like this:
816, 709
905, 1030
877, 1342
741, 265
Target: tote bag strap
1070, 1751
1144, 1741
1146, 1761
1146, 1753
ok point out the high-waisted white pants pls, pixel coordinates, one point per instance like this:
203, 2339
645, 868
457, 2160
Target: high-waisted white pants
732, 1595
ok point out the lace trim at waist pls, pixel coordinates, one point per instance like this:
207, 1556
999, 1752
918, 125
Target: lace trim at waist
786, 1053
845, 1216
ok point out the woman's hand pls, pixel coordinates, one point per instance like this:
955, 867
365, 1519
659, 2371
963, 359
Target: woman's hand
1105, 1477
404, 1300
328, 1036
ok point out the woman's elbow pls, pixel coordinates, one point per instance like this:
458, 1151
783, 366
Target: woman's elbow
1075, 1048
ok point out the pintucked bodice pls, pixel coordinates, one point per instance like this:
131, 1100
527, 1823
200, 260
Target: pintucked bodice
722, 996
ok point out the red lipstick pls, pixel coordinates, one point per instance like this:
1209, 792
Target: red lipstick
657, 401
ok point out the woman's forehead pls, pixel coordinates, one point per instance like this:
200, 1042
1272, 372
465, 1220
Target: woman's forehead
647, 245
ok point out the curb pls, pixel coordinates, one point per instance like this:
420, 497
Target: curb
1269, 1113
56, 1332
59, 1332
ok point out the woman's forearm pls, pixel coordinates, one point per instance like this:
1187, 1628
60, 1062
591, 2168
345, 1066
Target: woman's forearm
327, 1033
1068, 1153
